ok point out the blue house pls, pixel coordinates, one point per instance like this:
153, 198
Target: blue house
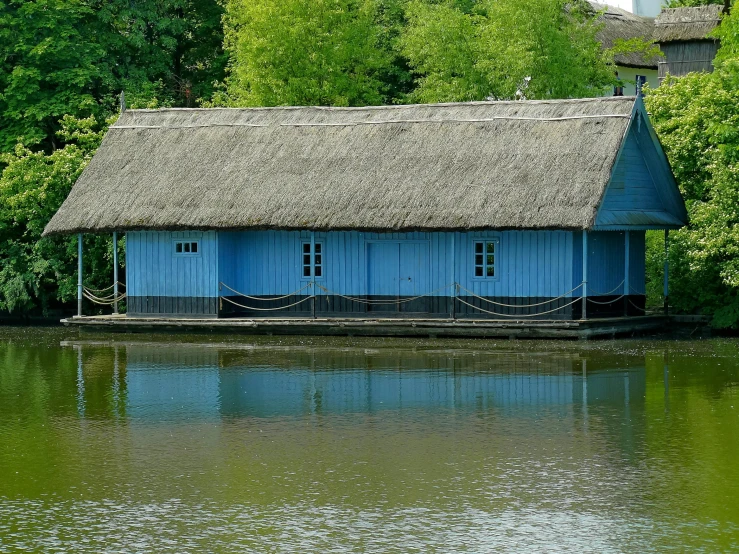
485, 210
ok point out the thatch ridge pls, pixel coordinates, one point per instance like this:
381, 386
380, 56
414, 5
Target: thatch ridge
621, 24
478, 165
685, 24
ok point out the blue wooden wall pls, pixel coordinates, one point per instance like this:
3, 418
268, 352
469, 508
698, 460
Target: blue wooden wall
154, 270
542, 264
642, 191
607, 263
528, 263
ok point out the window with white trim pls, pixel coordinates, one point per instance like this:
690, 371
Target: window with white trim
317, 255
186, 248
485, 259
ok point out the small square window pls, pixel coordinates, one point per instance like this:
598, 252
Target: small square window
187, 247
306, 248
194, 248
178, 247
306, 271
318, 271
478, 272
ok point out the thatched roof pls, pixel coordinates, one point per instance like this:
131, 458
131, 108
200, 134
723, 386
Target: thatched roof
480, 165
684, 24
621, 24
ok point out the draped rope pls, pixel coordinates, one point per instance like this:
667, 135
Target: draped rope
519, 305
610, 291
102, 301
607, 302
519, 315
106, 288
267, 309
266, 299
379, 302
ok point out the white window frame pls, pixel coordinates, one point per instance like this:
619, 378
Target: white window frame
496, 259
319, 245
182, 243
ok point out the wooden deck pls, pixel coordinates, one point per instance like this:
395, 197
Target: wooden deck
576, 329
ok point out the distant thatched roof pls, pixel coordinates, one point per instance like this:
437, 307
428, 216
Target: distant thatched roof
621, 24
480, 165
682, 24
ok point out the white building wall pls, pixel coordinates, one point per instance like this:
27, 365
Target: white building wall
649, 8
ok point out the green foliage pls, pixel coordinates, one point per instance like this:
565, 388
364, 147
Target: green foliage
472, 50
691, 3
323, 52
697, 119
38, 272
72, 57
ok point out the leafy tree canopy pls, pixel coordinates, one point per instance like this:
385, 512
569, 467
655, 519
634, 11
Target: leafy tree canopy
697, 119
475, 49
72, 57
322, 52
34, 271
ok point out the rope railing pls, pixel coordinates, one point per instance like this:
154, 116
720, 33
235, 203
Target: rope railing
106, 288
595, 293
400, 301
520, 315
519, 305
267, 309
381, 302
224, 285
104, 301
606, 302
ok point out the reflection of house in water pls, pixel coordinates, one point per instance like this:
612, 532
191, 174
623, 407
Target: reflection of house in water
206, 382
164, 382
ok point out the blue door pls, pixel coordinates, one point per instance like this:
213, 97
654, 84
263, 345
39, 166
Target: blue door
383, 271
397, 270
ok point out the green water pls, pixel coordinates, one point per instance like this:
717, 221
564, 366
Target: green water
136, 443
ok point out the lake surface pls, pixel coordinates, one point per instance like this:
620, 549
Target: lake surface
136, 443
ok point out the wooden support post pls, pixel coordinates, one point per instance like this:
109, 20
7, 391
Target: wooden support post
454, 276
584, 275
313, 269
627, 264
79, 275
115, 272
665, 287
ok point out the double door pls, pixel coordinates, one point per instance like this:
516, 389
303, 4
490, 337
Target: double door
397, 271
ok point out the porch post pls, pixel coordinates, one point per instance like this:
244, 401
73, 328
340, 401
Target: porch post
79, 274
115, 272
313, 269
454, 275
627, 281
584, 274
665, 288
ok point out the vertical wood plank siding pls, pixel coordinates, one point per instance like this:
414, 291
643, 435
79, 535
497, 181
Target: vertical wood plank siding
527, 263
530, 267
159, 282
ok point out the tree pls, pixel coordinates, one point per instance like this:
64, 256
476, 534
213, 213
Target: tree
697, 120
73, 57
470, 50
323, 52
35, 272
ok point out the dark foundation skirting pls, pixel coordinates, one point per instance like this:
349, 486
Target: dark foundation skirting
463, 307
180, 306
